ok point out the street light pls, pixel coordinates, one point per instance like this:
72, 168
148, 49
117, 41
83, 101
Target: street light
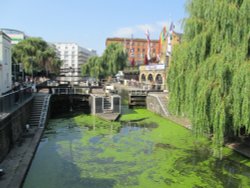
31, 62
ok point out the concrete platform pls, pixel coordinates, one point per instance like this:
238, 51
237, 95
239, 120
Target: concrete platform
109, 116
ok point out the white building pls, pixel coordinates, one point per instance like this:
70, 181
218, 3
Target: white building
73, 56
15, 35
5, 63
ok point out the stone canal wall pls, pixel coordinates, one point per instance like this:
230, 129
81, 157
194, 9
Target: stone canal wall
12, 127
156, 106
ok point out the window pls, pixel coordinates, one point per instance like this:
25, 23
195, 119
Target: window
138, 50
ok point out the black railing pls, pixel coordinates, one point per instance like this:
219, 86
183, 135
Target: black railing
70, 91
11, 101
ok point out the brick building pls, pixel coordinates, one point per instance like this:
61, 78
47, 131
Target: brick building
138, 46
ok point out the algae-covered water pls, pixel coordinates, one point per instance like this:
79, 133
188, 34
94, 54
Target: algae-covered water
84, 151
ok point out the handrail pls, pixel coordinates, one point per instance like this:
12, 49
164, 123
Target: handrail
144, 85
164, 110
59, 91
10, 101
138, 92
44, 111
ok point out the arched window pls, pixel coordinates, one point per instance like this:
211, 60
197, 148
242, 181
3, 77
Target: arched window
150, 78
158, 79
143, 78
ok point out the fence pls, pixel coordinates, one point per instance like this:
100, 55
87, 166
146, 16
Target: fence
11, 101
80, 91
144, 86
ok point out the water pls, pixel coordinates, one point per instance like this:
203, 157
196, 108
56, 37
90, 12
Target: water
84, 151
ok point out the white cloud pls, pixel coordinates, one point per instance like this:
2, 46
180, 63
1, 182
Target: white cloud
140, 29
145, 27
162, 24
137, 30
124, 32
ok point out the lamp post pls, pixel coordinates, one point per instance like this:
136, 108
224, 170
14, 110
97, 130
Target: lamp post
31, 62
32, 70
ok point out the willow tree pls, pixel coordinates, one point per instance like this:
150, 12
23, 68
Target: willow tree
209, 76
92, 67
113, 59
36, 56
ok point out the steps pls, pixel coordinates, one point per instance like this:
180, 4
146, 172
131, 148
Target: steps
107, 105
39, 110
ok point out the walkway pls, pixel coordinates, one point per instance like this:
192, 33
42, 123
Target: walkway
17, 162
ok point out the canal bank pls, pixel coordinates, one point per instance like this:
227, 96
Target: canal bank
18, 160
27, 157
157, 102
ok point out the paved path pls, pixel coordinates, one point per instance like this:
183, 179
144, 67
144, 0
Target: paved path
17, 162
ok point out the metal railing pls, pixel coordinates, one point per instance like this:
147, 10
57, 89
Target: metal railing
79, 91
166, 113
145, 86
44, 112
11, 101
138, 92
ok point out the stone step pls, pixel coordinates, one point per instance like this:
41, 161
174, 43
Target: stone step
106, 111
35, 116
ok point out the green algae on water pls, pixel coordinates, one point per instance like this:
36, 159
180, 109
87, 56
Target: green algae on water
153, 152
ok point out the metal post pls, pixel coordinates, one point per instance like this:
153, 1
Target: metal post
32, 70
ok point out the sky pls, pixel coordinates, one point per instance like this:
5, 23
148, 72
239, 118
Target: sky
90, 22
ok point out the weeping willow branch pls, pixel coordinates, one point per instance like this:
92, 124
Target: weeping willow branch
209, 78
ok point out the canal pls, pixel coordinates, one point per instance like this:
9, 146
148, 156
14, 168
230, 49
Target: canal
141, 150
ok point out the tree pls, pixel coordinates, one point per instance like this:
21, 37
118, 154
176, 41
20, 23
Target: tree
36, 56
112, 60
92, 67
209, 76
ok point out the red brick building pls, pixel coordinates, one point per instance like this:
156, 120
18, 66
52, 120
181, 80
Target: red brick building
138, 46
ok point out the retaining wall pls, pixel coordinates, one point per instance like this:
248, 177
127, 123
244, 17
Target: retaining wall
154, 106
12, 127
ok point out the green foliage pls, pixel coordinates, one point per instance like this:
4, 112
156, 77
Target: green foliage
112, 60
36, 55
209, 78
